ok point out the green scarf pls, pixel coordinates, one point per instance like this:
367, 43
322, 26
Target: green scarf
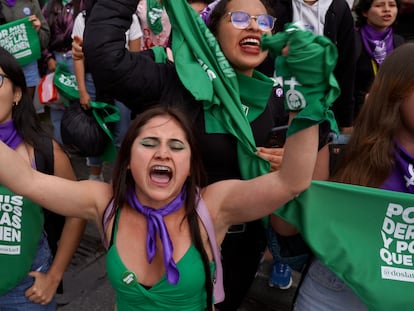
104, 114
206, 73
154, 16
307, 71
364, 235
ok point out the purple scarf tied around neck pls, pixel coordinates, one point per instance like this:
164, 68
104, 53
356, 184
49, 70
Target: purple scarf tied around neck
156, 224
9, 135
378, 44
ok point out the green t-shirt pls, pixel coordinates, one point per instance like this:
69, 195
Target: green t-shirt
21, 225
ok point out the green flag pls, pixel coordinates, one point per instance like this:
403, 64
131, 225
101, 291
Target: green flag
364, 235
104, 114
308, 81
21, 40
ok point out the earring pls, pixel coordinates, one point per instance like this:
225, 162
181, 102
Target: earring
16, 103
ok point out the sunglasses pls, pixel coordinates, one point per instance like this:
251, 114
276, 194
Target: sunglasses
242, 20
2, 76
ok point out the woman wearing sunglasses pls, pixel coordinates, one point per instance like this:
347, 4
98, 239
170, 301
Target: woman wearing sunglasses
139, 81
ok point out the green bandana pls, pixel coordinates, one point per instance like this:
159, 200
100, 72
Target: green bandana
364, 235
66, 83
309, 84
254, 93
206, 73
154, 15
105, 113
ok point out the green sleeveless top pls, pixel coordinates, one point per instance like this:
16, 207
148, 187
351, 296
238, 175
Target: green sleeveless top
21, 225
187, 295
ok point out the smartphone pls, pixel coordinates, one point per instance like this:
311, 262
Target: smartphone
277, 137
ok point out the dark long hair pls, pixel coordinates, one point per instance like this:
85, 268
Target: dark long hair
25, 118
368, 158
122, 179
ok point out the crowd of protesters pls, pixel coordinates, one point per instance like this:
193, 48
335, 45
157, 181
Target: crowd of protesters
140, 55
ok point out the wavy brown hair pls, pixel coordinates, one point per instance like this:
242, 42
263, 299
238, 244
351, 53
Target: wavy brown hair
368, 157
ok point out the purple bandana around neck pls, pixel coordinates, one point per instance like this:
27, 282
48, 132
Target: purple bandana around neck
378, 44
11, 3
156, 224
9, 135
402, 174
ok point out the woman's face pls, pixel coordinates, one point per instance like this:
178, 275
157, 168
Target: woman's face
382, 14
7, 97
242, 46
160, 161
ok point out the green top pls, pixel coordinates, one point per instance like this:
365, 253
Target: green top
188, 294
21, 225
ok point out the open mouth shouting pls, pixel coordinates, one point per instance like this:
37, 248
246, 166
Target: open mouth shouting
161, 174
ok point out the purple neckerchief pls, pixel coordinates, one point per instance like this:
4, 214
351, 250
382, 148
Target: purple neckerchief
378, 44
156, 224
11, 3
206, 13
401, 178
9, 135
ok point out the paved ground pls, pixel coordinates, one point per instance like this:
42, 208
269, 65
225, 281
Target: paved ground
86, 287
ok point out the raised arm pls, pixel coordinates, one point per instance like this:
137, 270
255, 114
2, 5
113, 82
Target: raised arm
237, 201
133, 78
82, 199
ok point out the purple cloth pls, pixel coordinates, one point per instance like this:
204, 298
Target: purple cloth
9, 135
11, 3
206, 13
378, 44
156, 224
401, 178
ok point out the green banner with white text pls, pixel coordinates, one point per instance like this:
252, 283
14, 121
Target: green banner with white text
364, 235
21, 39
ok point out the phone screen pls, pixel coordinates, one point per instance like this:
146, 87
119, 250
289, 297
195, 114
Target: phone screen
277, 137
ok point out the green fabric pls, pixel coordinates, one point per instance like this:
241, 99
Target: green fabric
105, 113
364, 235
21, 226
160, 55
66, 83
21, 40
206, 73
188, 294
307, 71
154, 15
